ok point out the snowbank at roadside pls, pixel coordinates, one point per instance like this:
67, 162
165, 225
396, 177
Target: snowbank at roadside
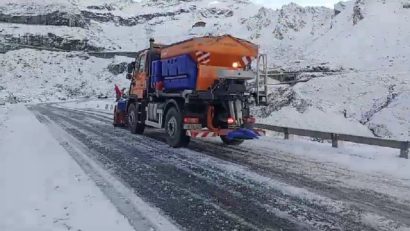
41, 187
93, 104
3, 114
315, 119
360, 158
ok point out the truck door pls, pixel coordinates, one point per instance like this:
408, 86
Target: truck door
139, 80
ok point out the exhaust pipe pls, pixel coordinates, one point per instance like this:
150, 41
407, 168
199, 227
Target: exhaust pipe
151, 43
235, 111
232, 110
238, 108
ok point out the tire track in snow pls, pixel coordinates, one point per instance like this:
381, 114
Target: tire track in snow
257, 196
166, 185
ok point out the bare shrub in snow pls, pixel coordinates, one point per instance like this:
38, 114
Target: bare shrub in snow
117, 68
301, 105
278, 99
379, 104
380, 130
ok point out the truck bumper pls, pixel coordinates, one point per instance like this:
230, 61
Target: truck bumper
205, 133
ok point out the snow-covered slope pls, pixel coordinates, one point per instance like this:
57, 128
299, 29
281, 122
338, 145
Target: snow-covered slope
359, 103
366, 39
39, 76
367, 34
123, 25
369, 40
370, 36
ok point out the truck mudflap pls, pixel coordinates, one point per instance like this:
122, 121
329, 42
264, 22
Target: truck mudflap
120, 112
240, 133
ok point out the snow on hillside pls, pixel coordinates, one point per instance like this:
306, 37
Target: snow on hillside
378, 41
29, 7
39, 76
369, 40
366, 39
393, 121
358, 103
120, 25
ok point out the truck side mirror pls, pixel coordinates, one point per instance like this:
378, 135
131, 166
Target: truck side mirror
130, 67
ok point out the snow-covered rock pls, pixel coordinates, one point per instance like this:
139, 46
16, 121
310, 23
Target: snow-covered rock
339, 7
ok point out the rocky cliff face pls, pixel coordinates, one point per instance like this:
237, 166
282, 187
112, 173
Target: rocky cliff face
49, 41
293, 19
289, 33
127, 25
56, 18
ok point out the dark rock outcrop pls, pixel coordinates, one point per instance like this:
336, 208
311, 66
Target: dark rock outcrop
131, 21
339, 7
102, 7
199, 24
56, 18
357, 12
216, 13
50, 41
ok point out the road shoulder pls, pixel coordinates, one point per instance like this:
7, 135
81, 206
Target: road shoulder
42, 187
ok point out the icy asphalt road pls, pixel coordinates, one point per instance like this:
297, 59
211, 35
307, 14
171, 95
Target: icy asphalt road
209, 186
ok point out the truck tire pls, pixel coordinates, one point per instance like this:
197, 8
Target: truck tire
234, 142
176, 135
136, 126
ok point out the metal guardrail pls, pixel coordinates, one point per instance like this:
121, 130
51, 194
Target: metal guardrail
404, 146
111, 54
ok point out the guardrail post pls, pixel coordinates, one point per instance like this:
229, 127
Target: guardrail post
335, 138
286, 131
404, 150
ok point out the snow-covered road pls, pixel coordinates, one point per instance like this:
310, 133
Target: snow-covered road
257, 186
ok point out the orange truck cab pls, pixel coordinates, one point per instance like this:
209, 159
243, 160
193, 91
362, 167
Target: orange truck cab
194, 88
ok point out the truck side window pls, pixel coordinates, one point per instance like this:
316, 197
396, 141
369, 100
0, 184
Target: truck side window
142, 64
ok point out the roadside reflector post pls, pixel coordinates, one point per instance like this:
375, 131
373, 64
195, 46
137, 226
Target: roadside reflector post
404, 150
286, 131
335, 138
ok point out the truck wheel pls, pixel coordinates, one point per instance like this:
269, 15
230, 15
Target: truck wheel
234, 142
174, 129
136, 127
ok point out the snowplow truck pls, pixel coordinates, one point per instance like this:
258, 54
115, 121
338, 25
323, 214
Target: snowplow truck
192, 89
